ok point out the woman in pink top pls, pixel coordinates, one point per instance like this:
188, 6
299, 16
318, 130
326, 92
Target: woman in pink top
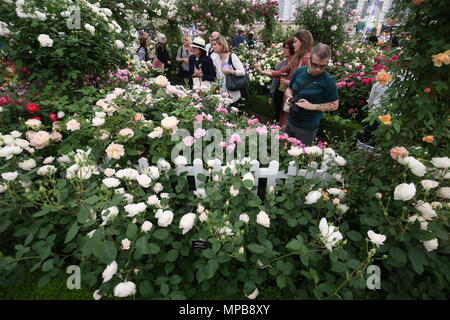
303, 44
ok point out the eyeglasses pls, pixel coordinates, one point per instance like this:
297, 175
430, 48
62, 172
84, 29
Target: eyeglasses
318, 66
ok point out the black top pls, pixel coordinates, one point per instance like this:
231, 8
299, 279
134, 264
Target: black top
162, 53
206, 64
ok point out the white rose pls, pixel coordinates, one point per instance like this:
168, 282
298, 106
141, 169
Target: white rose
45, 170
134, 209
404, 192
144, 180
115, 151
109, 271
423, 222
314, 150
426, 210
161, 81
444, 192
200, 193
40, 139
48, 160
441, 163
156, 133
22, 143
89, 28
165, 218
313, 197
73, 125
120, 44
342, 208
127, 173
429, 184
334, 191
431, 244
98, 121
375, 238
180, 161
45, 40
27, 164
187, 222
158, 187
60, 114
146, 226
249, 176
153, 172
244, 218
124, 289
126, 132
96, 295
163, 165
111, 182
295, 151
109, 172
417, 167
33, 123
263, 219
112, 212
254, 294
170, 123
10, 176
3, 188
233, 192
203, 217
329, 234
152, 200
128, 197
340, 161
126, 244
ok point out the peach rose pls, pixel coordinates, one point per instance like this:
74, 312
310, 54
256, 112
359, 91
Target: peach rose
115, 151
161, 81
56, 136
73, 125
40, 139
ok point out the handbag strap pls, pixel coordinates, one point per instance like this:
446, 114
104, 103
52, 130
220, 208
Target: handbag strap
303, 86
230, 61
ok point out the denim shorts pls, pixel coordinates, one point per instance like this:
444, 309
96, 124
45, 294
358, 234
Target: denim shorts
306, 136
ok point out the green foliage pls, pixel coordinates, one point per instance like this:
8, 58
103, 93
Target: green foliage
73, 51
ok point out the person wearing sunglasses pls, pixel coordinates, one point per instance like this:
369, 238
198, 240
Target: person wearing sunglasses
311, 91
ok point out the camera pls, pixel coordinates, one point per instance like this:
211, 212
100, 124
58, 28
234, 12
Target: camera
293, 101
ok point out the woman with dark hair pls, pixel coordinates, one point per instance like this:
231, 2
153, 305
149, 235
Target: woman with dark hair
303, 44
163, 59
201, 68
142, 51
277, 88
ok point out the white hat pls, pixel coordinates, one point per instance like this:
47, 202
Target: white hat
199, 43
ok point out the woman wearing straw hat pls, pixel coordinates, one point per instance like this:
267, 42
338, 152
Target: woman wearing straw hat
201, 67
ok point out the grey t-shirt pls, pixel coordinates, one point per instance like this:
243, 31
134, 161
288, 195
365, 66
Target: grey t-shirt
184, 53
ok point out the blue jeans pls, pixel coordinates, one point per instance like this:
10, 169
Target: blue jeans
306, 136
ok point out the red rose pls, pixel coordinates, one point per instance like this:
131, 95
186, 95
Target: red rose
37, 118
32, 108
53, 117
361, 102
3, 101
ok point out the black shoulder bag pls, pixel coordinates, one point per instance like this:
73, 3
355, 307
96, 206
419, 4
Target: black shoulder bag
235, 83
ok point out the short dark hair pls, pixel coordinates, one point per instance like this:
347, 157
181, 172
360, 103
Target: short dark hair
322, 51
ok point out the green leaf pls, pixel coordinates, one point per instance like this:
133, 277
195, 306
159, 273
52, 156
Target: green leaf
305, 259
143, 246
398, 255
354, 236
417, 258
172, 255
314, 275
175, 279
107, 252
161, 234
131, 231
41, 213
424, 235
146, 289
164, 289
292, 222
73, 230
248, 184
256, 248
177, 295
154, 248
48, 265
281, 281
294, 245
92, 200
211, 267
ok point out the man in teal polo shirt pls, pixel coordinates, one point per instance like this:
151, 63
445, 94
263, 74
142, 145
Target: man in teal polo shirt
319, 95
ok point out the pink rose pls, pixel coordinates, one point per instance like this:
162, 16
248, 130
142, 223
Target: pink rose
188, 141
